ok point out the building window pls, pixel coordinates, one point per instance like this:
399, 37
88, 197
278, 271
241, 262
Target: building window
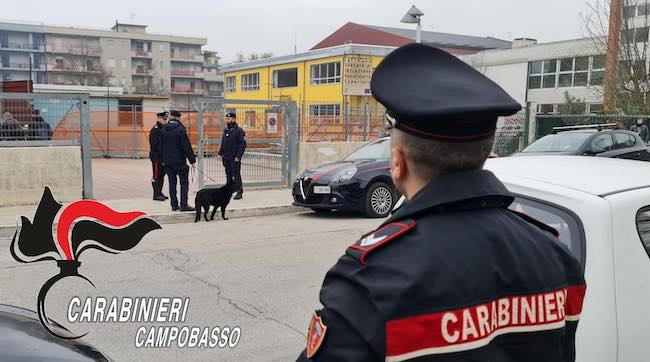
230, 85
596, 108
162, 47
123, 63
325, 110
573, 72
111, 43
326, 73
250, 82
629, 11
546, 108
111, 63
644, 9
597, 70
283, 78
542, 74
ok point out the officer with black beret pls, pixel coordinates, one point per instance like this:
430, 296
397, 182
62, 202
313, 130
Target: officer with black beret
453, 274
233, 145
176, 149
155, 155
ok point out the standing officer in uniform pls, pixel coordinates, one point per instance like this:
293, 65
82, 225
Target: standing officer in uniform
233, 144
155, 155
452, 275
176, 148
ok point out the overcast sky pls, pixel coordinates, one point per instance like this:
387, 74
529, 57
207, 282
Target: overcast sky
272, 25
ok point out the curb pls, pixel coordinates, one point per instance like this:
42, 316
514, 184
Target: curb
7, 231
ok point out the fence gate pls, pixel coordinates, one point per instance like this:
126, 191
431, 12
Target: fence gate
271, 138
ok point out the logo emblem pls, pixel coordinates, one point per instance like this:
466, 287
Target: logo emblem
316, 335
82, 225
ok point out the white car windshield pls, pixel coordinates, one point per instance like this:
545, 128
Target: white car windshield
561, 142
378, 150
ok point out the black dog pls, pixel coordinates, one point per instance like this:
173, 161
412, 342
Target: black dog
219, 197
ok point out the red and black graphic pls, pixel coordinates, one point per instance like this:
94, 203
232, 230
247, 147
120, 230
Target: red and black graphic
82, 225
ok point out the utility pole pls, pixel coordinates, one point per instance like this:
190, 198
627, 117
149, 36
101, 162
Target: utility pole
611, 67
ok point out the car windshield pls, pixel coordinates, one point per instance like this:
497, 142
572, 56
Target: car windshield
561, 142
378, 150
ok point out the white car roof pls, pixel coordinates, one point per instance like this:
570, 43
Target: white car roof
595, 175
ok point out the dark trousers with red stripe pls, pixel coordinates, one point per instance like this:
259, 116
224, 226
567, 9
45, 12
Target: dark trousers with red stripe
158, 178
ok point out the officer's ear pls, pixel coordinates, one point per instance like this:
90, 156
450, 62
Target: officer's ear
398, 166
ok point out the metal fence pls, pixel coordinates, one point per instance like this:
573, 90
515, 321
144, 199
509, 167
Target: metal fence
271, 144
345, 121
45, 120
511, 134
545, 123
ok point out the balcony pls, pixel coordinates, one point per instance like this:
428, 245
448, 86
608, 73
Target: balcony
187, 90
142, 71
69, 68
76, 50
187, 73
21, 46
186, 57
140, 53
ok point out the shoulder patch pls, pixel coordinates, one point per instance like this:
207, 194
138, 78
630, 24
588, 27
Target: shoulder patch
316, 335
537, 223
382, 236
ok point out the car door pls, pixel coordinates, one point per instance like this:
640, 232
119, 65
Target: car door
601, 145
626, 146
631, 223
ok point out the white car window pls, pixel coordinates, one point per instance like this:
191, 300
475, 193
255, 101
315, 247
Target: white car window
562, 220
643, 227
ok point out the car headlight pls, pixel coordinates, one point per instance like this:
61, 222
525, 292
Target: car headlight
345, 175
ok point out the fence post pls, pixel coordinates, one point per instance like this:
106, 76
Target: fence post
86, 151
292, 141
367, 113
284, 153
346, 128
201, 144
532, 123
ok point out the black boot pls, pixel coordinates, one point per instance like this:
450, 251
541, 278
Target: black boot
156, 194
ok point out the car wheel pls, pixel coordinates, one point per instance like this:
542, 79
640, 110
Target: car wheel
379, 200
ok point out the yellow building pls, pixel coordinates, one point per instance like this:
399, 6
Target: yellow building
330, 86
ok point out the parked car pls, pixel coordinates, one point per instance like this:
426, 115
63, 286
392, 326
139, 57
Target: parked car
590, 141
22, 338
359, 182
601, 207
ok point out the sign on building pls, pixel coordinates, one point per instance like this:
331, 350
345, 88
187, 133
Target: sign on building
357, 70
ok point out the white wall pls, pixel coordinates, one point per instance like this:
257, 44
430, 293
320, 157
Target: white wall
556, 95
511, 77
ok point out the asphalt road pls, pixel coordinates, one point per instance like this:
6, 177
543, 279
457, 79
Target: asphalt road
262, 274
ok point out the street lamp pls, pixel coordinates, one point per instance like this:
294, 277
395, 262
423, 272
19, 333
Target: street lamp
413, 17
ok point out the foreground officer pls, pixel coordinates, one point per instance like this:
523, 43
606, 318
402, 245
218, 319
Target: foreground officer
155, 155
233, 145
176, 148
452, 275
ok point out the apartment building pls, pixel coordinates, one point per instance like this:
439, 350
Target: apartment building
125, 56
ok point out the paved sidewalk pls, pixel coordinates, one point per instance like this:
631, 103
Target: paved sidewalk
254, 203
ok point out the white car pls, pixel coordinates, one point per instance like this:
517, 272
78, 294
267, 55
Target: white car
601, 207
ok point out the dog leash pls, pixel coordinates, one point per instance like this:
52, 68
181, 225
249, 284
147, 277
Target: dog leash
196, 169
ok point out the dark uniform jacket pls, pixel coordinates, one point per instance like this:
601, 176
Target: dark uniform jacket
175, 146
453, 275
233, 142
154, 141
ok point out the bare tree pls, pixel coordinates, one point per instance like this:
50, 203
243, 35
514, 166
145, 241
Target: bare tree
84, 67
240, 58
632, 93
